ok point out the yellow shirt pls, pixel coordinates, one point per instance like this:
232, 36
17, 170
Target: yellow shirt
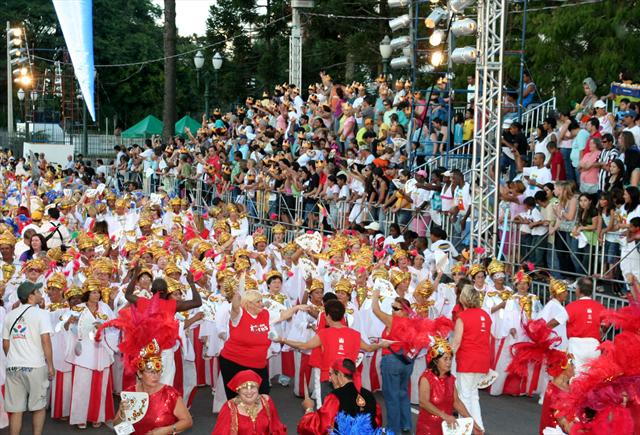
467, 130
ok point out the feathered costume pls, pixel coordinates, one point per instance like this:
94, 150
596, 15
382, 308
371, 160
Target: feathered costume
540, 351
606, 398
148, 321
148, 328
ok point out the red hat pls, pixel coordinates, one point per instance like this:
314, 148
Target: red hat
338, 366
244, 378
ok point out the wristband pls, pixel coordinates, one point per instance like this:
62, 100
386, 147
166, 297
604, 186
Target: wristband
308, 410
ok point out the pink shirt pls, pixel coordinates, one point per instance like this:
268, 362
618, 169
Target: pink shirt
590, 176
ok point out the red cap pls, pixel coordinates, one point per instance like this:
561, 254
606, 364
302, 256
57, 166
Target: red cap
243, 378
338, 366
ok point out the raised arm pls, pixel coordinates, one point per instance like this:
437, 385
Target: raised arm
196, 299
375, 305
128, 295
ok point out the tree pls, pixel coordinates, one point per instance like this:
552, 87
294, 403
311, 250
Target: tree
169, 109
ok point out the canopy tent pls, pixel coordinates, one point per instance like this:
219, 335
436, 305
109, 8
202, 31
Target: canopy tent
187, 121
145, 128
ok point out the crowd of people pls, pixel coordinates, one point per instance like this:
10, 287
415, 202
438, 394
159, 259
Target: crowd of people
111, 287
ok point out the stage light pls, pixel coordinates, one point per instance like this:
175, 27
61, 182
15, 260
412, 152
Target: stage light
400, 22
458, 6
398, 3
400, 42
464, 55
464, 27
437, 37
400, 62
437, 15
437, 58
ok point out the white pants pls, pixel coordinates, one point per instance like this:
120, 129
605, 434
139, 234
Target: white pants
168, 366
583, 350
315, 387
82, 395
467, 385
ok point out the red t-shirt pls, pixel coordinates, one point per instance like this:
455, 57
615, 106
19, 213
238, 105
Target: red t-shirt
316, 354
584, 318
248, 341
473, 356
337, 343
558, 171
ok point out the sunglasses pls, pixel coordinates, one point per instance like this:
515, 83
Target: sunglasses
394, 308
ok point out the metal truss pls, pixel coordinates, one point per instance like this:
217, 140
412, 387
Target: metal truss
487, 131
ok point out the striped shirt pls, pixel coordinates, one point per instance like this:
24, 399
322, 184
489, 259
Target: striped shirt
606, 157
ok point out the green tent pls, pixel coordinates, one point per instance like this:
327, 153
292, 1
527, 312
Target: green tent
145, 128
187, 121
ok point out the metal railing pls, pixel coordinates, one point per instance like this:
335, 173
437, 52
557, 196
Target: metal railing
534, 116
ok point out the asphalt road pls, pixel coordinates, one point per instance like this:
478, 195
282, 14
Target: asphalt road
502, 415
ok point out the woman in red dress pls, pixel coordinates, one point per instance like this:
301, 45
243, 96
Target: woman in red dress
438, 394
249, 413
471, 345
149, 328
167, 413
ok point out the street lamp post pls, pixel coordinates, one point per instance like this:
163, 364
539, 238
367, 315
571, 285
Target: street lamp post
217, 64
22, 96
198, 61
385, 52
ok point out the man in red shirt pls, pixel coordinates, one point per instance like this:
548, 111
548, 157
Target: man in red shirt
583, 326
336, 341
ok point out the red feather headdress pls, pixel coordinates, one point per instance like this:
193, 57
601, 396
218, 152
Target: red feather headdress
416, 333
148, 328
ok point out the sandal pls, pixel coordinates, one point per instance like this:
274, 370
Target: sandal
82, 426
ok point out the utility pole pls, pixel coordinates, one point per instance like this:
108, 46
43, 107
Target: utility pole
295, 42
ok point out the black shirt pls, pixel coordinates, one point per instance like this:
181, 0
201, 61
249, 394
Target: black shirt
518, 140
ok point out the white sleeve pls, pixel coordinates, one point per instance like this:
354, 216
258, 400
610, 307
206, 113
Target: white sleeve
45, 322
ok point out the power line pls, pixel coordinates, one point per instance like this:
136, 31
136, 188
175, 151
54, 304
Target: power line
162, 59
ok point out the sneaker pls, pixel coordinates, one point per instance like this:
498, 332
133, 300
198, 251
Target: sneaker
284, 380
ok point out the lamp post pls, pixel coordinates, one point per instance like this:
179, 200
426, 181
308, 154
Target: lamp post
385, 52
217, 64
22, 95
198, 61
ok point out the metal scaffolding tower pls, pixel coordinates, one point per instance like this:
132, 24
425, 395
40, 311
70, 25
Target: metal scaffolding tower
487, 131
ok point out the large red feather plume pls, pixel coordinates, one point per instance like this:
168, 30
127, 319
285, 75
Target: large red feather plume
416, 333
539, 350
608, 388
140, 324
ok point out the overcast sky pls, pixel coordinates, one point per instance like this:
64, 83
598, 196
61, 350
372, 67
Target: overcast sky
191, 15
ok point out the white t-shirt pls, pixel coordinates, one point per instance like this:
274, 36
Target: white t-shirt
25, 345
462, 198
554, 310
539, 175
533, 215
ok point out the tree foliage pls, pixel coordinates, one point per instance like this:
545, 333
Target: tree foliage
566, 45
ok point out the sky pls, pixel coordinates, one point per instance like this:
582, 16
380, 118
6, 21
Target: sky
191, 15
